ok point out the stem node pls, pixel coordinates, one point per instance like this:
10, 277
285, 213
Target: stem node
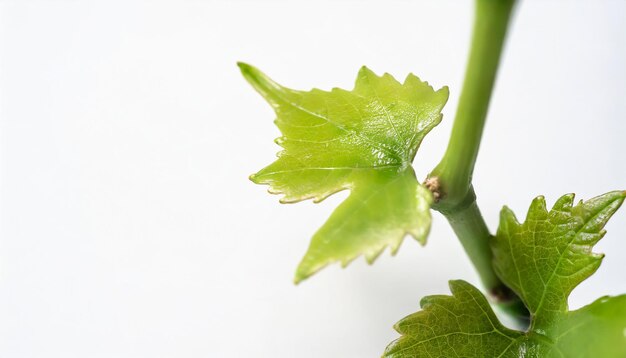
432, 183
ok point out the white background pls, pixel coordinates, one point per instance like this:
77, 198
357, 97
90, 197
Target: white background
129, 227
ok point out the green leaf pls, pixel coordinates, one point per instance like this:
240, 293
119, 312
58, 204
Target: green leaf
461, 325
362, 140
548, 255
464, 325
542, 260
596, 330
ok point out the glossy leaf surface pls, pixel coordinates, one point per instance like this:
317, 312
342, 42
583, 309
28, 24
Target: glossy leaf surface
461, 325
542, 260
362, 140
464, 325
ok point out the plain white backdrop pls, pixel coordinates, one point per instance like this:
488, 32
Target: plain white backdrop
129, 227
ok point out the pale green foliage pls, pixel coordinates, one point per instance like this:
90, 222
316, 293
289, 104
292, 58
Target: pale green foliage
363, 140
542, 260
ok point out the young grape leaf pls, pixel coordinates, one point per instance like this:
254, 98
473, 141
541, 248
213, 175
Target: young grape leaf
546, 257
542, 260
363, 140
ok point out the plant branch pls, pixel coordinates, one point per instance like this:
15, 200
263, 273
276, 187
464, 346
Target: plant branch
451, 180
470, 227
454, 172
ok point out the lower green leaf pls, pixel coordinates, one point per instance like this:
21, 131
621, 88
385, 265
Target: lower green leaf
464, 325
596, 330
461, 325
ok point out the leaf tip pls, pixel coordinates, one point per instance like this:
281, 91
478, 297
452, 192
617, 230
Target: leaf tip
537, 207
261, 83
507, 216
246, 69
422, 239
306, 269
395, 248
444, 92
456, 285
371, 258
297, 279
564, 203
365, 72
541, 200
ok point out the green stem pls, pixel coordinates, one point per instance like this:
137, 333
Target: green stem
451, 180
469, 226
457, 165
